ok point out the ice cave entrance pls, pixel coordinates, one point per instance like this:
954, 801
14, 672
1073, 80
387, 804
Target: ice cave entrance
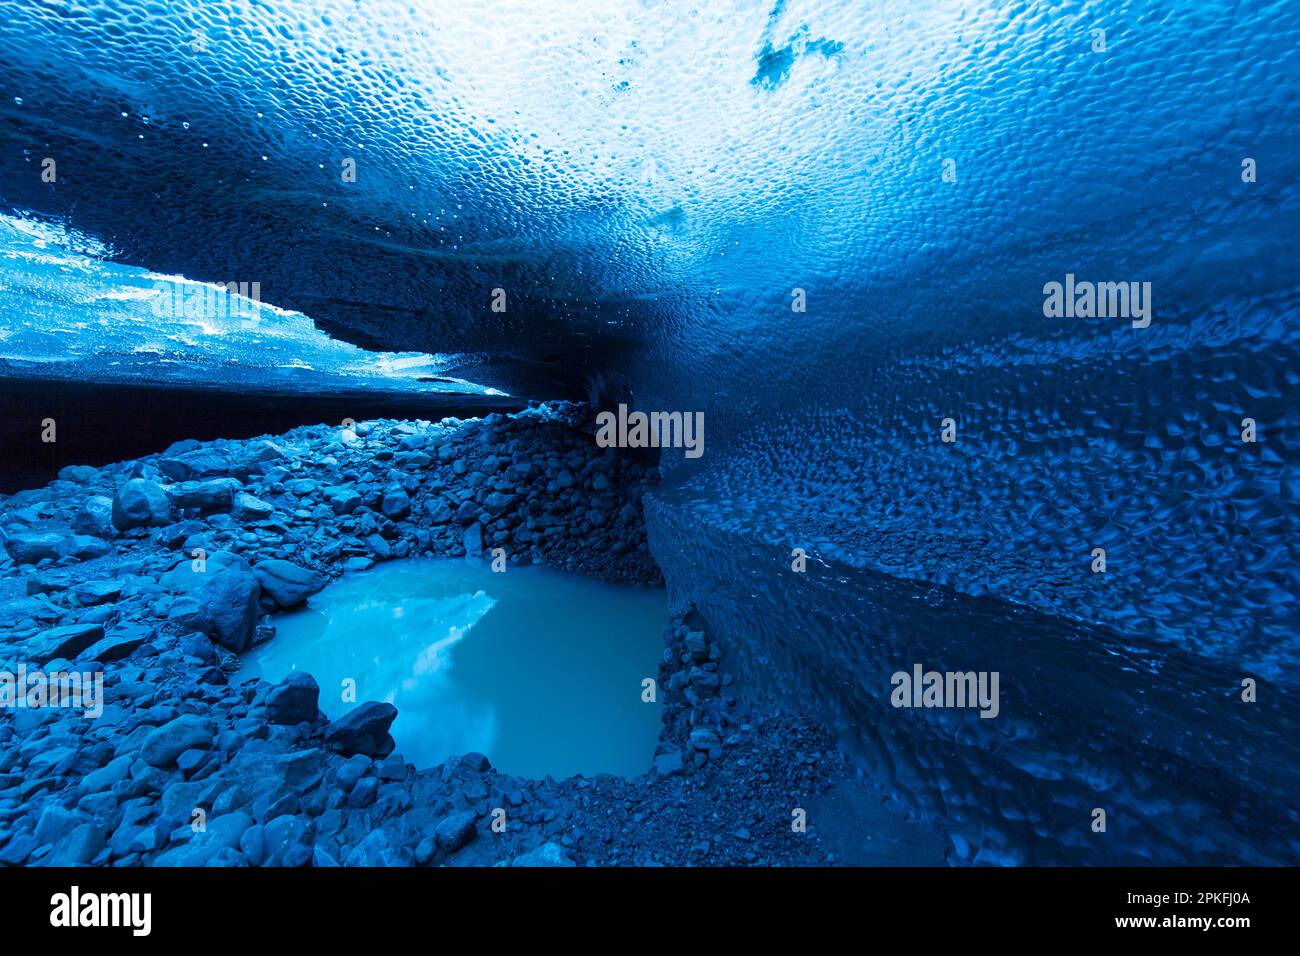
538, 669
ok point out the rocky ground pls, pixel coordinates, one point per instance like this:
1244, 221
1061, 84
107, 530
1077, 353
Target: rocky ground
157, 573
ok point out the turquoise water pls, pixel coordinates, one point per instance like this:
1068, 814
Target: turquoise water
538, 669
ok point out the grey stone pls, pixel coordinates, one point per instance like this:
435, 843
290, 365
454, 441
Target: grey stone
396, 503
140, 503
30, 547
286, 583
454, 832
94, 517
164, 744
293, 700
213, 494
193, 465
63, 642
219, 833
223, 606
363, 730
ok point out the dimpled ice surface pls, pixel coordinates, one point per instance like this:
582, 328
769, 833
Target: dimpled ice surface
830, 226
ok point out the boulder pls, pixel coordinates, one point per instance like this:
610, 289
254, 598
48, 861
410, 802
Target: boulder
78, 473
293, 700
375, 850
363, 730
219, 833
396, 503
255, 457
78, 848
454, 832
62, 642
164, 744
94, 517
223, 604
140, 503
30, 547
85, 547
118, 644
213, 494
668, 764
286, 583
90, 593
247, 508
342, 499
193, 465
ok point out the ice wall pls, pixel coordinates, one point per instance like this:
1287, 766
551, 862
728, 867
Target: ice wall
658, 188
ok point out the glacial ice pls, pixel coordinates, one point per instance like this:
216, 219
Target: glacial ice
654, 186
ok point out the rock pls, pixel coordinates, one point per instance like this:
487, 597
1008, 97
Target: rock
548, 854
363, 730
140, 503
249, 508
474, 761
62, 642
668, 764
396, 503
117, 645
392, 767
78, 473
29, 547
224, 606
91, 593
164, 744
363, 792
254, 458
86, 547
193, 465
375, 850
293, 700
214, 494
286, 583
705, 682
226, 857
285, 839
303, 487
704, 739
439, 511
342, 499
353, 769
454, 832
78, 848
102, 779
54, 823
497, 503
94, 517
219, 833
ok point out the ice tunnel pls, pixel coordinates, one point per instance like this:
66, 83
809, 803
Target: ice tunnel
832, 227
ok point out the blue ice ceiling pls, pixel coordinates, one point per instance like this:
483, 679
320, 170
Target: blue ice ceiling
654, 185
